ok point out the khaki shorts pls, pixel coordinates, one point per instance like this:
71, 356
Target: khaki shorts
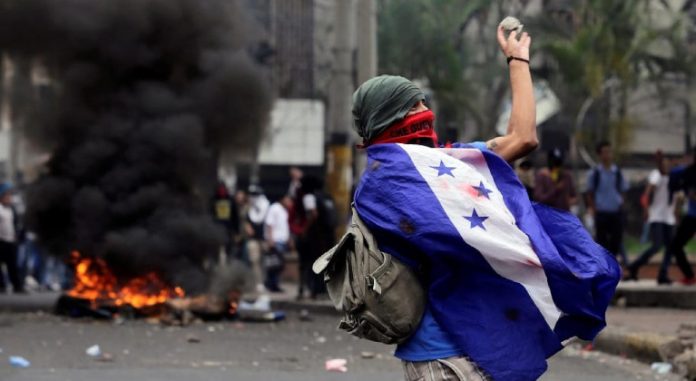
458, 368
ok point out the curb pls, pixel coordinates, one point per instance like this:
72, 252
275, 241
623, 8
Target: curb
668, 297
641, 346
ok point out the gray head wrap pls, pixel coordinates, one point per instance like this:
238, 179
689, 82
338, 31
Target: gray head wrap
381, 101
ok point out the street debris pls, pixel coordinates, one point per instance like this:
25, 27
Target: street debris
19, 362
105, 357
193, 339
93, 351
321, 339
259, 311
304, 315
337, 365
680, 353
367, 355
661, 367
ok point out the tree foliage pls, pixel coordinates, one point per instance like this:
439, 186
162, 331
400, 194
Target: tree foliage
447, 43
596, 50
601, 50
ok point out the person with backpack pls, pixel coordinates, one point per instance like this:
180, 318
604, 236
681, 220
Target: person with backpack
440, 215
661, 219
604, 198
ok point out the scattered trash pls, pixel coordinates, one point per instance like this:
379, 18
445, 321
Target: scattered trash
19, 362
661, 367
304, 315
337, 365
153, 320
259, 311
260, 315
105, 357
588, 347
321, 339
367, 355
93, 351
193, 339
262, 303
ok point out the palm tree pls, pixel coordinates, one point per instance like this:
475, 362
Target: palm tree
598, 51
451, 44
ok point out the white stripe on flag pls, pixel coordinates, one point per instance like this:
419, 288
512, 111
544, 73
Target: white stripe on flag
504, 246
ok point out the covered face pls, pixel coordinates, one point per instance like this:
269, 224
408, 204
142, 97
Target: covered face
383, 111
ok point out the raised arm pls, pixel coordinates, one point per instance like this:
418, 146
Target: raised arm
521, 137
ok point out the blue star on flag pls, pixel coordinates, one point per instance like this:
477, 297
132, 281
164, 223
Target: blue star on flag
483, 191
476, 220
443, 169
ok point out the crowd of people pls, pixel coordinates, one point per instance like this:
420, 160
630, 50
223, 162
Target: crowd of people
263, 233
668, 203
22, 265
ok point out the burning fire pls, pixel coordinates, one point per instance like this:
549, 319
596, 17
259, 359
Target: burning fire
94, 281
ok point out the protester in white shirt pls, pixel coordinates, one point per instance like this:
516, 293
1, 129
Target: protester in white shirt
8, 240
277, 236
661, 217
258, 208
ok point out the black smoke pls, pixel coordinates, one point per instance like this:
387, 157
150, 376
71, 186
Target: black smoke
144, 96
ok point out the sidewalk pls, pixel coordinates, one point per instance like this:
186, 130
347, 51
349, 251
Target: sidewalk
647, 293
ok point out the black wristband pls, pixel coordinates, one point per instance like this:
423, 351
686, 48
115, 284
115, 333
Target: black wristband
517, 59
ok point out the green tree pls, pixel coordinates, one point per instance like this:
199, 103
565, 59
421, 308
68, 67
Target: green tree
452, 45
598, 51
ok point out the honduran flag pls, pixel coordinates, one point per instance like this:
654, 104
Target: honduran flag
509, 280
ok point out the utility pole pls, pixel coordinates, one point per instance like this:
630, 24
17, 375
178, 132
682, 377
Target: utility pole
366, 59
339, 160
367, 36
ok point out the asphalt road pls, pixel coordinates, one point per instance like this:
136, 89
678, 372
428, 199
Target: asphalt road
284, 351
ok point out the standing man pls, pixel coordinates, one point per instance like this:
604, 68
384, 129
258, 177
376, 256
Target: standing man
604, 198
224, 214
317, 235
390, 109
554, 184
501, 296
277, 235
8, 240
684, 179
661, 219
258, 207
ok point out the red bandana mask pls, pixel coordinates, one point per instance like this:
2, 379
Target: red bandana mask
416, 126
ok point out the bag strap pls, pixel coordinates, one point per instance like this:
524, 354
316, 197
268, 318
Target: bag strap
369, 239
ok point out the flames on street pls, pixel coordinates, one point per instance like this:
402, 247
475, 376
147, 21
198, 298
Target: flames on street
95, 282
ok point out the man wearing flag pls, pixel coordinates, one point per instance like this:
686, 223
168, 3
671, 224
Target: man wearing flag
507, 281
